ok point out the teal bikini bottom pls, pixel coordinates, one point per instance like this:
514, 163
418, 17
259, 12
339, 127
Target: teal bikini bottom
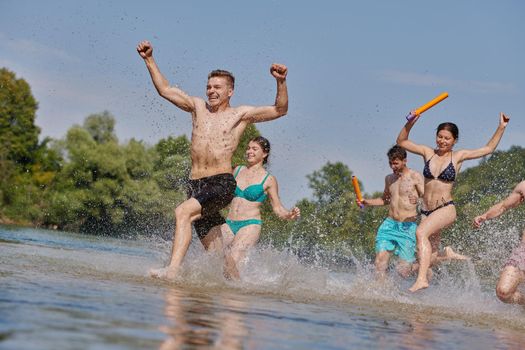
236, 225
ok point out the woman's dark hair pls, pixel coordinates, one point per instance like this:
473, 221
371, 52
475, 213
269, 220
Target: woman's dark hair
453, 128
265, 145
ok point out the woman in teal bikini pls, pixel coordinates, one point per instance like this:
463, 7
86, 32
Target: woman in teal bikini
243, 224
442, 161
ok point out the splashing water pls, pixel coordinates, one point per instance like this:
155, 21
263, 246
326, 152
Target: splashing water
457, 289
52, 279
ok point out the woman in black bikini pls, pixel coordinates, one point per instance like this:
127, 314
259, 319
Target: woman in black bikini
440, 211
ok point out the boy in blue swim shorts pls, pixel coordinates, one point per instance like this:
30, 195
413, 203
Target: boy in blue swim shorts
397, 234
397, 237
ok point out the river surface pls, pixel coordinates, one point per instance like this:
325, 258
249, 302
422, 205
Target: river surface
61, 290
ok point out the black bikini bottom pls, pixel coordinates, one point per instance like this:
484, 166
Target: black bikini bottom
428, 212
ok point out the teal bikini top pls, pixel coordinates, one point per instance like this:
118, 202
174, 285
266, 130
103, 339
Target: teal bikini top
252, 193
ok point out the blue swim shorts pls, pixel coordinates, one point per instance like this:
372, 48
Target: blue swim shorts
399, 237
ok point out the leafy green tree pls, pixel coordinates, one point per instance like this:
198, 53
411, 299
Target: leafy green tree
7, 172
331, 183
139, 163
101, 127
172, 165
26, 166
173, 146
18, 132
47, 155
113, 189
88, 185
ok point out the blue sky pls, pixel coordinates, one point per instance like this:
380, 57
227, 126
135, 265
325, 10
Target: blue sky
355, 69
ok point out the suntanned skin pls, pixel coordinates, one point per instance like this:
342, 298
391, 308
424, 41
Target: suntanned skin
216, 131
237, 246
438, 191
511, 277
402, 189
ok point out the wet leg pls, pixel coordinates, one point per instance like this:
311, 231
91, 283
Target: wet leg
245, 239
507, 287
187, 212
381, 263
430, 225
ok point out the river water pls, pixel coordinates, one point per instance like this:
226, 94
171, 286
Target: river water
69, 291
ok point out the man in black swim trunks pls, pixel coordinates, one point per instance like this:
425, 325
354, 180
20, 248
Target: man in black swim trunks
217, 129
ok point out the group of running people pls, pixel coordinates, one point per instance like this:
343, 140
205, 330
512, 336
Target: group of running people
216, 131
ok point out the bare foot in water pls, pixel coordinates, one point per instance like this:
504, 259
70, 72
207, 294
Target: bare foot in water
165, 273
452, 255
418, 285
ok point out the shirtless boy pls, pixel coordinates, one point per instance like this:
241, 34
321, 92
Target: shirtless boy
397, 234
513, 273
216, 131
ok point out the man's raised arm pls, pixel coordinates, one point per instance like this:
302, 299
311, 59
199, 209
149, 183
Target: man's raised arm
280, 108
513, 200
173, 94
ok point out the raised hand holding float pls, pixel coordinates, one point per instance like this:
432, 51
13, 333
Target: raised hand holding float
427, 106
357, 190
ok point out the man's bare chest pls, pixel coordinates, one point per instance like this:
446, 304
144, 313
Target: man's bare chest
215, 124
403, 186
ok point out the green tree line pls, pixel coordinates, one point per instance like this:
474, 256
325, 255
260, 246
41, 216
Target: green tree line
89, 181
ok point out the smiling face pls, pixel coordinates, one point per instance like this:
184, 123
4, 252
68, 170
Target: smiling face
255, 153
446, 136
445, 140
219, 91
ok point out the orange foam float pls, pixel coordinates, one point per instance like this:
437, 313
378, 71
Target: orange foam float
357, 190
427, 105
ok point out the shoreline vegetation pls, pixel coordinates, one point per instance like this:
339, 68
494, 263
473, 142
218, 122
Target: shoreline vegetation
89, 182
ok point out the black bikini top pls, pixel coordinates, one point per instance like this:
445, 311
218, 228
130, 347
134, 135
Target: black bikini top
448, 174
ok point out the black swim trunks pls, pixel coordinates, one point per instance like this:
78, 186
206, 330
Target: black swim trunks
213, 193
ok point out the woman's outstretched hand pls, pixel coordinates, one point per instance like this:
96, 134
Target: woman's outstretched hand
503, 119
